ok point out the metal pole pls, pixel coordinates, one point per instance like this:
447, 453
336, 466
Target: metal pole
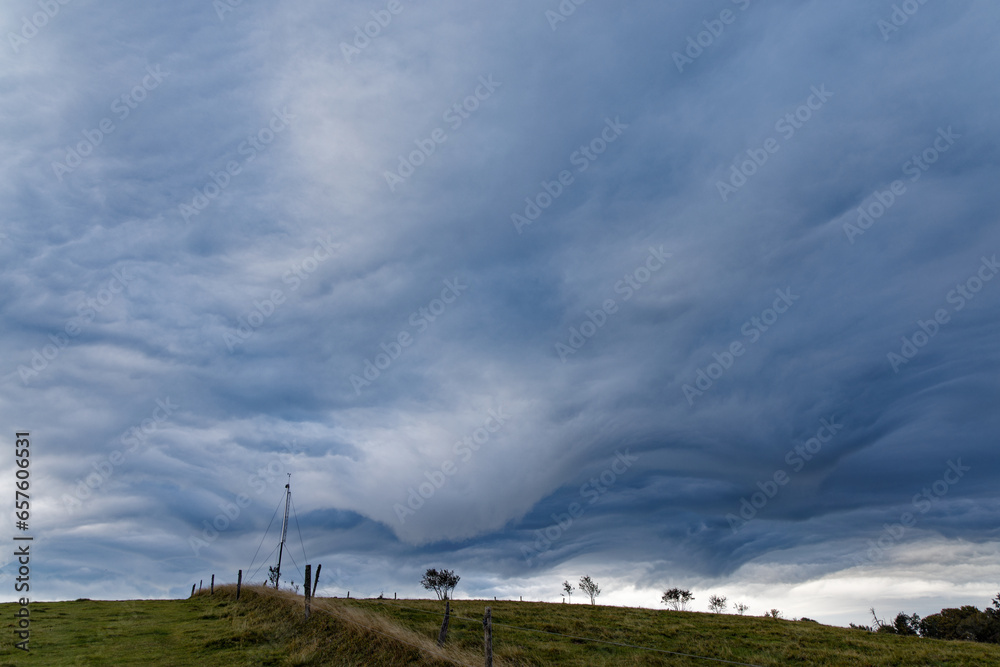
284, 529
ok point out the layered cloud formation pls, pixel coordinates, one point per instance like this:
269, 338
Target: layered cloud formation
699, 294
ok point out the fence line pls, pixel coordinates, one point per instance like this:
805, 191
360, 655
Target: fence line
589, 639
320, 607
402, 641
488, 622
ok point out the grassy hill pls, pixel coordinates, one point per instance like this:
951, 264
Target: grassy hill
266, 627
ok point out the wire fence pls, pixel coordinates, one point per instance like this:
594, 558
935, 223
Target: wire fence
432, 651
588, 639
320, 606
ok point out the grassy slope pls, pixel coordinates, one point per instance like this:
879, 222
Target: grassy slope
266, 628
761, 641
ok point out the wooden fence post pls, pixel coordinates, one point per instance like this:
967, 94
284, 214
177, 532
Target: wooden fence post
200, 582
239, 584
213, 585
444, 626
393, 596
348, 595
488, 636
316, 583
192, 590
308, 581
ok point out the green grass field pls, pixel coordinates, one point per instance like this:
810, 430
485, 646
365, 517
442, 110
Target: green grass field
267, 628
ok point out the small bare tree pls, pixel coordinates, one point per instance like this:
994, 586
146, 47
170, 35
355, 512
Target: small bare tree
774, 613
717, 603
441, 582
740, 608
568, 589
590, 587
677, 598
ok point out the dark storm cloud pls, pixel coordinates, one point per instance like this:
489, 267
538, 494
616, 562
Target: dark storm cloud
698, 235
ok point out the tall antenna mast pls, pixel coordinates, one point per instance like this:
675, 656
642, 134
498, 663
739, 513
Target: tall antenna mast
284, 528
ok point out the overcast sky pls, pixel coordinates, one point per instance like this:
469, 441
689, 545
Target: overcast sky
688, 294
